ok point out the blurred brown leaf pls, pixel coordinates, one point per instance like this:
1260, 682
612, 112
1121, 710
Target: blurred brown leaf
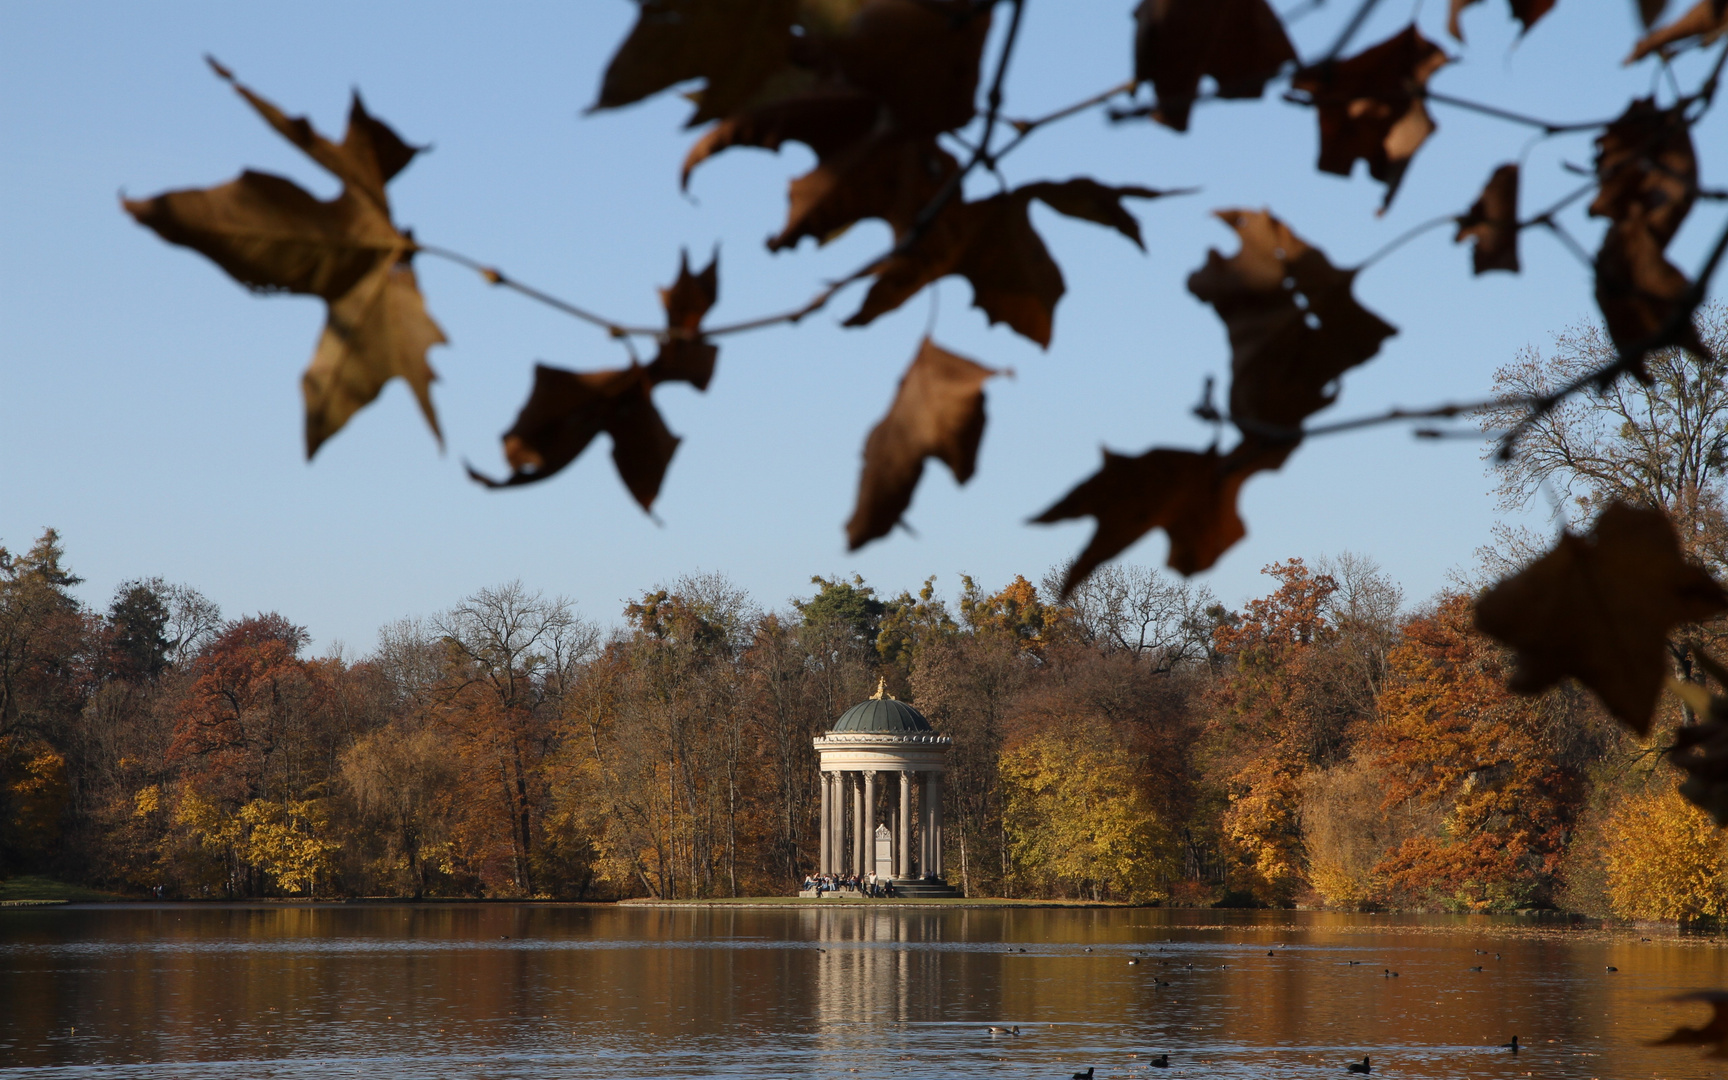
376, 331
1294, 325
270, 234
567, 409
1525, 11
1239, 43
992, 244
1651, 10
1706, 20
1645, 162
1371, 106
868, 94
1701, 750
937, 412
734, 45
1599, 607
1493, 223
1645, 301
1191, 496
684, 357
1714, 1033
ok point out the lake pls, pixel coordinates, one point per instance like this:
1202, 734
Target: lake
554, 991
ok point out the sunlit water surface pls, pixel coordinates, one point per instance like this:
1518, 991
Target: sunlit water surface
171, 991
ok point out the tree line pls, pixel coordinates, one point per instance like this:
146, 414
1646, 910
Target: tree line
1326, 743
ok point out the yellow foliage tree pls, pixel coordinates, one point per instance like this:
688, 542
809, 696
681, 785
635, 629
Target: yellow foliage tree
1078, 821
1666, 860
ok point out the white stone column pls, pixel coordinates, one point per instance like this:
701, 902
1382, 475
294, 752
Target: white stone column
869, 844
826, 829
859, 825
926, 861
837, 820
905, 825
936, 823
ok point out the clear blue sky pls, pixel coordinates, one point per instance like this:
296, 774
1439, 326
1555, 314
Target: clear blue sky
150, 409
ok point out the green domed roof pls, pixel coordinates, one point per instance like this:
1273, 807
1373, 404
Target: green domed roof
882, 714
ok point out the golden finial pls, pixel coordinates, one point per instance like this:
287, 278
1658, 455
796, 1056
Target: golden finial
881, 688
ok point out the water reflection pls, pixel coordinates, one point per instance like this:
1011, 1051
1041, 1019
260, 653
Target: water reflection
549, 991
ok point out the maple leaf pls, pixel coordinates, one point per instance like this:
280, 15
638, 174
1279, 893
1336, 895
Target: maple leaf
938, 412
684, 356
1371, 106
735, 46
270, 234
376, 331
1493, 223
991, 243
567, 409
1700, 750
1706, 20
1525, 11
1645, 162
870, 102
1646, 302
1714, 1033
1598, 608
1239, 43
1190, 495
1294, 325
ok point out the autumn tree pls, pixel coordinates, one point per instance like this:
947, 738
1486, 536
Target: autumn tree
1504, 772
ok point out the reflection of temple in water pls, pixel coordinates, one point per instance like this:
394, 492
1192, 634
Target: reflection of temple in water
876, 967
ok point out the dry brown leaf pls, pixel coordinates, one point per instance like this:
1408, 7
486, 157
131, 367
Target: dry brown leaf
1645, 162
270, 234
734, 45
1525, 11
1191, 496
992, 244
1371, 106
1714, 1033
377, 331
1651, 10
1239, 43
1599, 607
1294, 325
937, 412
567, 409
1493, 223
1701, 749
1706, 20
1645, 301
684, 357
919, 58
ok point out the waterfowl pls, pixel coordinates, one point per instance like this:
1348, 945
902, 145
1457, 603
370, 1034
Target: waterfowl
1087, 1075
1360, 1066
1512, 1046
1132, 961
1088, 949
1478, 967
1611, 967
994, 1030
1269, 952
1162, 1061
1389, 974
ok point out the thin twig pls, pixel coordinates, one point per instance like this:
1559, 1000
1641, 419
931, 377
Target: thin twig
498, 277
1360, 16
1023, 128
1548, 126
1405, 237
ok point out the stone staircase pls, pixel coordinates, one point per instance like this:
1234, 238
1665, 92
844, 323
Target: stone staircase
924, 889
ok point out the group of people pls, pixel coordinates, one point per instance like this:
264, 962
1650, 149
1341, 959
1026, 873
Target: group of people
867, 884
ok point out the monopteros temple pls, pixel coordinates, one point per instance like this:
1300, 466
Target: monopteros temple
881, 772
